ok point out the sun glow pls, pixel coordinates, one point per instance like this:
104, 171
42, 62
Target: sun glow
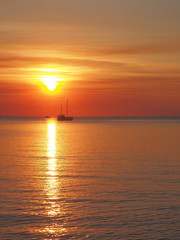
50, 77
51, 82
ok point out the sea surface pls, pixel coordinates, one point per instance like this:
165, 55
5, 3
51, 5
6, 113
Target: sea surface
92, 178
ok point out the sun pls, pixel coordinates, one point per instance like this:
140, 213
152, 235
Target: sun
51, 82
50, 79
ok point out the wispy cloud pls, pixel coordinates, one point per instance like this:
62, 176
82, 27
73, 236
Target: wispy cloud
17, 88
156, 48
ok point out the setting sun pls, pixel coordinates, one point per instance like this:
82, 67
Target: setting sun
51, 82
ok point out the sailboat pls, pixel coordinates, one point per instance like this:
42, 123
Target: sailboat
62, 117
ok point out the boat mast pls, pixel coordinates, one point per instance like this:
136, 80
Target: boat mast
67, 108
61, 108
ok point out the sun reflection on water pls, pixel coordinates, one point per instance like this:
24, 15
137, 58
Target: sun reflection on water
52, 178
52, 186
51, 148
51, 139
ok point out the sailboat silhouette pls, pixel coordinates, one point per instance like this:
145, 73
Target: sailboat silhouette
62, 117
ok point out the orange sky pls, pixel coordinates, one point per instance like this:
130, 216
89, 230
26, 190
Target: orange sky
110, 58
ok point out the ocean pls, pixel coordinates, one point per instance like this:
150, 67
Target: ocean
92, 178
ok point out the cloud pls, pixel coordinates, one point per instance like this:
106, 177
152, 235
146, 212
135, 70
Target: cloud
86, 60
26, 61
17, 88
159, 48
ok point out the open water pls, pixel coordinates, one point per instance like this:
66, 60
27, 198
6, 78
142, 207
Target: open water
93, 178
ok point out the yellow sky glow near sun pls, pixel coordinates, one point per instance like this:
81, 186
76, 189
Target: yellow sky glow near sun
49, 78
51, 82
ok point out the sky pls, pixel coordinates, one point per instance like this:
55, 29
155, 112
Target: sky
107, 57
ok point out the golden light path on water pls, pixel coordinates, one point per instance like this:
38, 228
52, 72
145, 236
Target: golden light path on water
52, 164
52, 182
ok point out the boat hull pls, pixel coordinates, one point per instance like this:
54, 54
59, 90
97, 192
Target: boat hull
64, 118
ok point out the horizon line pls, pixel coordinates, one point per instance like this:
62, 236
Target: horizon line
164, 116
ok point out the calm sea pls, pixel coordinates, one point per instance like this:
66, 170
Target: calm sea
93, 178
